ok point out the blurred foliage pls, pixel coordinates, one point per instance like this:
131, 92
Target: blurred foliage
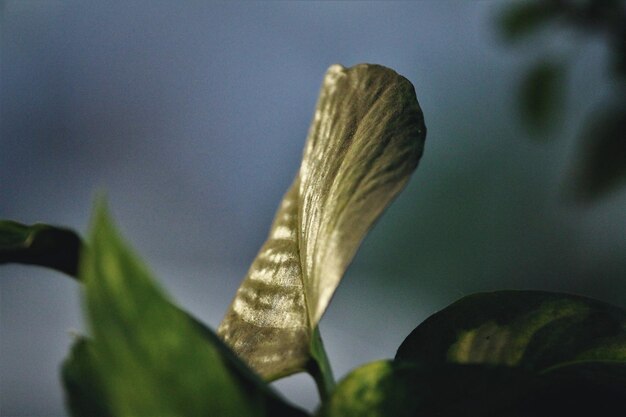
542, 95
147, 358
39, 244
84, 393
602, 165
524, 18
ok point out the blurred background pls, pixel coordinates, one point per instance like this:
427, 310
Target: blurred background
192, 118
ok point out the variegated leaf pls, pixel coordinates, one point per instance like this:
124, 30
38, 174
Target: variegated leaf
404, 389
536, 330
366, 139
409, 389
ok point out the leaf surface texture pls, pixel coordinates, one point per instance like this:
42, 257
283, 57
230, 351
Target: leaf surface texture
365, 140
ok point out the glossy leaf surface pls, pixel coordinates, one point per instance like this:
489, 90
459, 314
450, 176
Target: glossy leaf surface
530, 329
39, 244
149, 357
365, 140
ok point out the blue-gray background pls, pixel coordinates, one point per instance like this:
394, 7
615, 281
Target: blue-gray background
192, 118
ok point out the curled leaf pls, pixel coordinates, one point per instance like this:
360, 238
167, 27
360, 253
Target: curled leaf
365, 140
39, 244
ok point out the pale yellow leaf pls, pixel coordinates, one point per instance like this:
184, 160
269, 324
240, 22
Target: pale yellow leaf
366, 139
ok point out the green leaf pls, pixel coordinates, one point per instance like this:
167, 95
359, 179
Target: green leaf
523, 18
319, 366
602, 381
404, 389
78, 372
530, 329
84, 393
39, 244
366, 139
387, 388
602, 162
594, 388
86, 397
149, 357
247, 379
542, 95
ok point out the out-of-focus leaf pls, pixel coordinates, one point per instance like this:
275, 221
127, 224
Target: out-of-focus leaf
84, 394
521, 19
602, 162
541, 95
530, 329
39, 244
386, 388
149, 357
618, 49
365, 140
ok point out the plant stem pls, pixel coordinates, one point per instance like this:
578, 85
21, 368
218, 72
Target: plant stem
319, 367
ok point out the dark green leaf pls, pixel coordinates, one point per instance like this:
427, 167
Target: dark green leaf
602, 162
591, 379
365, 140
246, 378
39, 244
531, 329
79, 376
404, 389
594, 388
542, 95
523, 18
150, 358
386, 388
84, 394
